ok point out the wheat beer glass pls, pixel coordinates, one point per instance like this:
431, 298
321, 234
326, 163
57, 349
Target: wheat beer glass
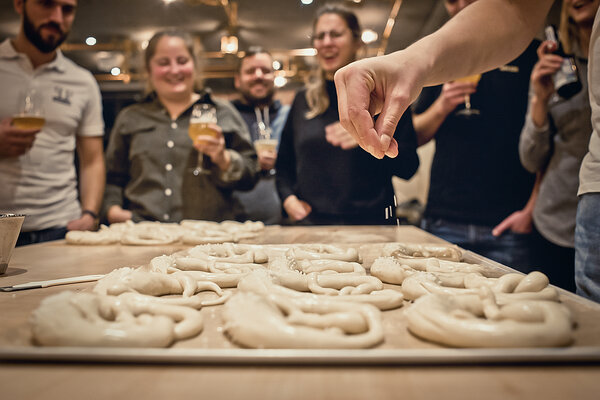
202, 116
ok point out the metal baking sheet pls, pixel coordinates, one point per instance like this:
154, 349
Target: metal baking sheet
212, 347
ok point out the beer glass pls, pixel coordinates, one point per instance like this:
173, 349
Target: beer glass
202, 115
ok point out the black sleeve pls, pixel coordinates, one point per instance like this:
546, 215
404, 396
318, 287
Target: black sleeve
286, 157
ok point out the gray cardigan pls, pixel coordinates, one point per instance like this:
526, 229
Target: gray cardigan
150, 160
559, 148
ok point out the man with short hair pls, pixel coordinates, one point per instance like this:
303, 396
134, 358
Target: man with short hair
265, 118
37, 171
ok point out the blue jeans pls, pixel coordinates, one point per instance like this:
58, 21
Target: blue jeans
44, 235
587, 246
511, 249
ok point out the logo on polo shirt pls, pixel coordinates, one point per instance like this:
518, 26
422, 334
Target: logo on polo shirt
62, 95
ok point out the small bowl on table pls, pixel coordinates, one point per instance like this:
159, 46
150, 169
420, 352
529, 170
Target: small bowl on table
10, 227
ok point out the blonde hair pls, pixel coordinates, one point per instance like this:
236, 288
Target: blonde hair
567, 31
316, 94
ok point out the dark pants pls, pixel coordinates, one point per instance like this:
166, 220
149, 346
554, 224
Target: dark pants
557, 262
511, 249
45, 235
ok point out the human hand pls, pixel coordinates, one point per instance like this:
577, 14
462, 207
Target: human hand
338, 136
15, 142
266, 159
384, 85
297, 209
541, 75
84, 223
118, 214
517, 222
453, 93
214, 147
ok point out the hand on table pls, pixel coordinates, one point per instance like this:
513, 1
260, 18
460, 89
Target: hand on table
118, 214
84, 223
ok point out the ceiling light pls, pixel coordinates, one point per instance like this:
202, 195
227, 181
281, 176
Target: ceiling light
90, 41
115, 71
168, 1
229, 44
276, 65
306, 2
369, 36
280, 81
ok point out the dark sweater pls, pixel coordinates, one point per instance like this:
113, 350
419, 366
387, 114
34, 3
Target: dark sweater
476, 175
343, 186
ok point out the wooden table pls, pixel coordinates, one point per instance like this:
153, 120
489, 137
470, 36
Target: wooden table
90, 380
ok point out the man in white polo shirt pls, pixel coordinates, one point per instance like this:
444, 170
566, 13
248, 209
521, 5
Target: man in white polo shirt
37, 171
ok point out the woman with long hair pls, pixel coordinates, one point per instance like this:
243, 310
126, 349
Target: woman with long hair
151, 160
323, 178
554, 141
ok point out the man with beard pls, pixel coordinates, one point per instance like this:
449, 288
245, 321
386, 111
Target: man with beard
265, 118
37, 171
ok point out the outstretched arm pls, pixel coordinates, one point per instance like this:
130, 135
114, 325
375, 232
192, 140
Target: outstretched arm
484, 35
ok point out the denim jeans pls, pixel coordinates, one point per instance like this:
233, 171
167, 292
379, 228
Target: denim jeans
511, 249
587, 246
44, 235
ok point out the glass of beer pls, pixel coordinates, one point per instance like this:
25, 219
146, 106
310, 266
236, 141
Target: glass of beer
469, 110
202, 115
30, 113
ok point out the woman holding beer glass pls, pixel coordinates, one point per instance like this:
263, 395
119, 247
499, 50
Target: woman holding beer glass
323, 178
155, 171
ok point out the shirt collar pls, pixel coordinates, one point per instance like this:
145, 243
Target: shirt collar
7, 51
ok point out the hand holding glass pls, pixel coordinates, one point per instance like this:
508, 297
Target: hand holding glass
202, 116
468, 110
30, 114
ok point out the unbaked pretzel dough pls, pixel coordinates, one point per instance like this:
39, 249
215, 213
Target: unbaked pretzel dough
129, 320
276, 321
478, 321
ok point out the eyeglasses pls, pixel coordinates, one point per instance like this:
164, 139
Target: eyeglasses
332, 35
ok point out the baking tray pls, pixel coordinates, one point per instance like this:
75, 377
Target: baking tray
212, 347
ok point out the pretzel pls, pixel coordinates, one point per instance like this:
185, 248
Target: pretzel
479, 321
156, 283
507, 288
394, 270
129, 320
413, 250
285, 274
100, 237
264, 283
275, 321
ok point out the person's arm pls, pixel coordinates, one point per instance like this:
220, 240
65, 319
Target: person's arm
117, 173
482, 36
235, 160
91, 181
429, 121
534, 143
285, 178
